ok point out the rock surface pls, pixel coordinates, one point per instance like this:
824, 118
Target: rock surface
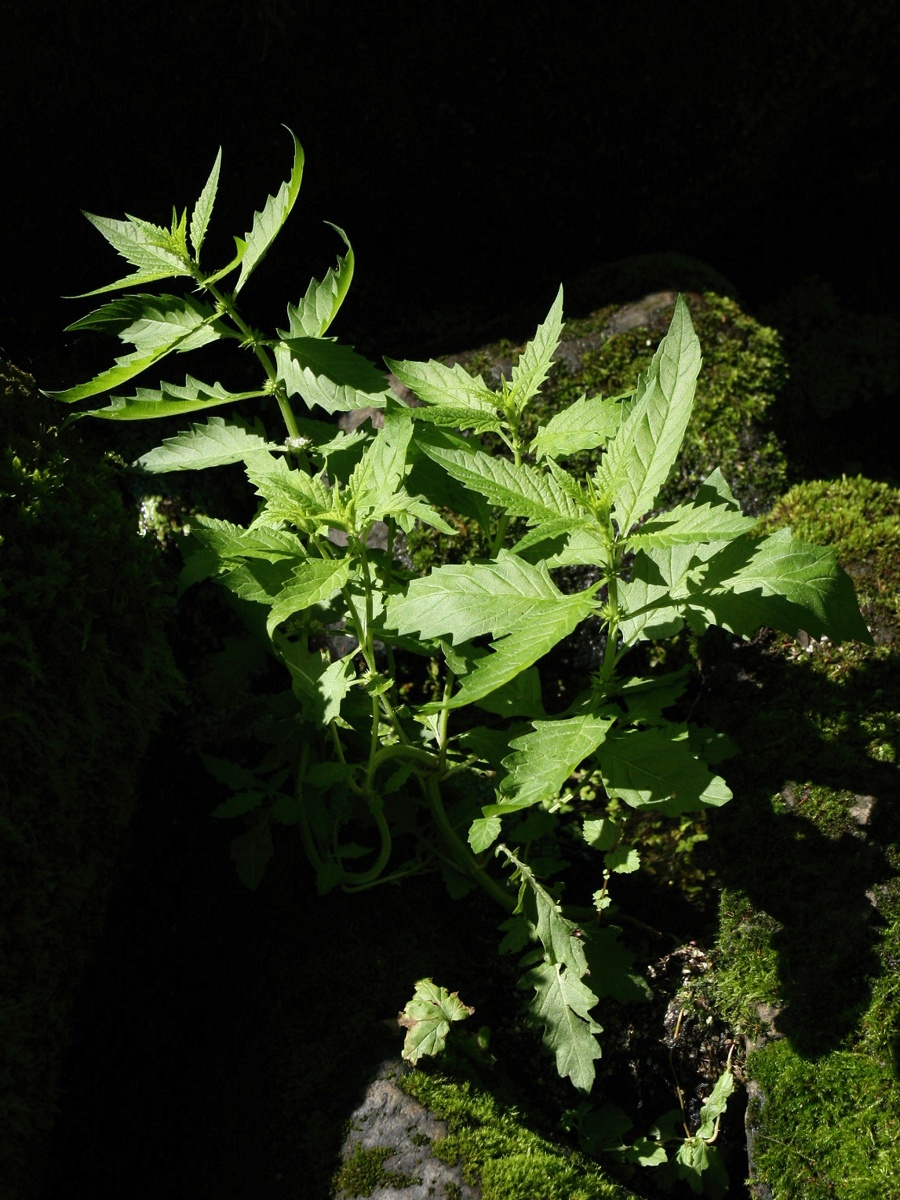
387, 1118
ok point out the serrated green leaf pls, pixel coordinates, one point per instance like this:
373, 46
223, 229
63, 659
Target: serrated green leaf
325, 356
319, 306
127, 367
641, 455
332, 687
160, 325
536, 359
622, 860
179, 322
542, 761
701, 1165
290, 494
522, 491
525, 643
312, 582
169, 400
427, 1019
204, 206
782, 583
127, 281
655, 767
256, 579
601, 833
554, 931
465, 601
215, 444
584, 425
562, 1005
451, 387
266, 224
481, 420
379, 473
483, 832
233, 542
688, 524
141, 244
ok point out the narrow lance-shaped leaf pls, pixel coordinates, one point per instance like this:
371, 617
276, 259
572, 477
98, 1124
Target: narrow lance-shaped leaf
138, 242
204, 206
458, 398
643, 452
522, 491
160, 326
169, 400
536, 359
318, 308
266, 224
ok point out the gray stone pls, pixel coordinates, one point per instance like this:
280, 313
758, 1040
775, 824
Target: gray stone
388, 1118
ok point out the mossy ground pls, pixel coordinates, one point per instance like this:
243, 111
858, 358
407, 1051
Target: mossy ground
86, 675
499, 1152
806, 958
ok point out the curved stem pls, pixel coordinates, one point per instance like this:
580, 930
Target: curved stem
463, 857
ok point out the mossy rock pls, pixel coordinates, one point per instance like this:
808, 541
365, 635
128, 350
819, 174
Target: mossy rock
86, 673
742, 375
806, 958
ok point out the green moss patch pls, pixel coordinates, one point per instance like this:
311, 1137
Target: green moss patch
498, 1152
825, 1129
807, 955
365, 1170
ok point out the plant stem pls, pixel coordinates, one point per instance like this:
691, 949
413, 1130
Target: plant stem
463, 857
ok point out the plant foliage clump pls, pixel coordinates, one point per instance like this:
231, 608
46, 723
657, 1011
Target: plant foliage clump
397, 685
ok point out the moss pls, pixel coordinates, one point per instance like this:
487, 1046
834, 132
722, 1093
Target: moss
87, 674
498, 1152
825, 1129
364, 1171
860, 518
808, 948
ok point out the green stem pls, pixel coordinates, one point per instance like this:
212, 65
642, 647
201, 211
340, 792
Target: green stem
268, 366
463, 858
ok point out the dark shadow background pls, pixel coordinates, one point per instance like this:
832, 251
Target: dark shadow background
476, 155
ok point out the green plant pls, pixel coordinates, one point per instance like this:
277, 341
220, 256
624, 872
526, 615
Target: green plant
419, 737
